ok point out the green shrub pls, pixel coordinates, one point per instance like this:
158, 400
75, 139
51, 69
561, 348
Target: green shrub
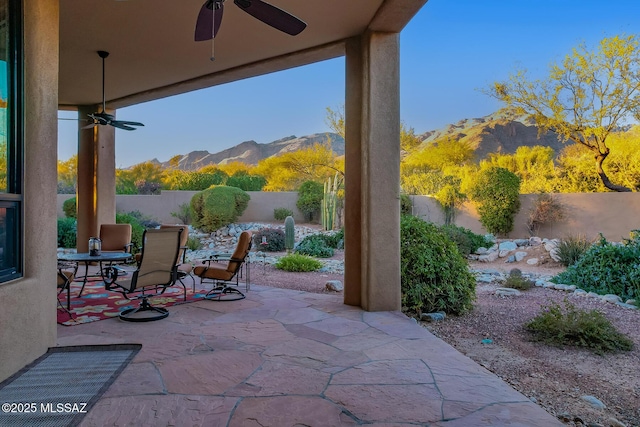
571, 248
67, 232
310, 195
183, 213
434, 276
298, 263
193, 243
515, 280
466, 240
218, 206
496, 190
607, 268
334, 240
578, 328
137, 227
315, 245
281, 214
246, 182
274, 240
69, 208
406, 205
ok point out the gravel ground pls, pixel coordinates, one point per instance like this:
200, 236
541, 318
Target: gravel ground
554, 378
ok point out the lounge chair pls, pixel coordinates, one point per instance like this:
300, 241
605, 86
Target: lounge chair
225, 277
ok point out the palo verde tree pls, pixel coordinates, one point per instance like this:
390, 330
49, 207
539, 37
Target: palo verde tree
585, 98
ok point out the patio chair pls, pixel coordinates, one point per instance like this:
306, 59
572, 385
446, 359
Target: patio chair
66, 274
226, 277
116, 237
156, 272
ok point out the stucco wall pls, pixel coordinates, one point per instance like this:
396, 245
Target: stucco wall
612, 214
159, 207
27, 314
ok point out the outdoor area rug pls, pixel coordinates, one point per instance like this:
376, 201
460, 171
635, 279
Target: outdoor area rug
96, 303
60, 387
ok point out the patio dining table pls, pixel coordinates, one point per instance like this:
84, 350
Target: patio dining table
87, 259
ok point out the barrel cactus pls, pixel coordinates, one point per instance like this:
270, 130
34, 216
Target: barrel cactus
289, 233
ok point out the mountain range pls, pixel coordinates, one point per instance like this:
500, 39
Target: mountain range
494, 133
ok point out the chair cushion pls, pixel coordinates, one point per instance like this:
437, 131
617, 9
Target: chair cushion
213, 273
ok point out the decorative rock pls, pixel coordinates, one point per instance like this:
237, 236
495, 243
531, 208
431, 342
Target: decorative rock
540, 283
520, 256
535, 241
503, 253
629, 306
489, 257
593, 295
334, 285
631, 302
612, 422
507, 292
521, 242
594, 402
508, 246
481, 250
549, 285
485, 278
433, 317
614, 299
532, 261
511, 259
580, 293
473, 257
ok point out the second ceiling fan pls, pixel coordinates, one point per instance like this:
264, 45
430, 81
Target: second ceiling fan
103, 118
210, 17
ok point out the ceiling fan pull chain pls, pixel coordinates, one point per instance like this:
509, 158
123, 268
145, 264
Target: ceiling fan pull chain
213, 33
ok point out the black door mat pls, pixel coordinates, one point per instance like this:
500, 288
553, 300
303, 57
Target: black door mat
61, 386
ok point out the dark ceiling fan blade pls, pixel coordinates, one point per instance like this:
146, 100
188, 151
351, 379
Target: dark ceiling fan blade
211, 10
125, 122
120, 125
273, 16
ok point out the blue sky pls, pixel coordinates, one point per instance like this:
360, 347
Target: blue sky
450, 50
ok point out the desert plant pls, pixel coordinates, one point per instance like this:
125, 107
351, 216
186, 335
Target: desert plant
560, 326
406, 205
571, 248
496, 190
218, 206
515, 280
281, 214
269, 240
607, 268
434, 276
314, 245
193, 243
466, 240
329, 202
289, 233
546, 209
334, 239
67, 232
69, 208
298, 263
450, 198
246, 182
183, 213
309, 201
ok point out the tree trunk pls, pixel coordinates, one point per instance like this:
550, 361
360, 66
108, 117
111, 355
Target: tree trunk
600, 157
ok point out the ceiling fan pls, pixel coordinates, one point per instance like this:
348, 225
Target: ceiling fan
102, 118
210, 17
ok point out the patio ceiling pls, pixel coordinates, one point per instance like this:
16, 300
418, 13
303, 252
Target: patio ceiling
153, 54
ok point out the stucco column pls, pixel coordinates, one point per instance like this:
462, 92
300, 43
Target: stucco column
372, 171
96, 193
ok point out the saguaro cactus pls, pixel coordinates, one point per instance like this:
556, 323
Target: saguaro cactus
289, 233
329, 203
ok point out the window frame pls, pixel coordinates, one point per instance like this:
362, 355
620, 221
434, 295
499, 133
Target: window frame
13, 197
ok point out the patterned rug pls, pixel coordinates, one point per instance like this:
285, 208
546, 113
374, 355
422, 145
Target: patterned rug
96, 303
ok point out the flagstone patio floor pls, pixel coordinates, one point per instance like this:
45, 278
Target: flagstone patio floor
288, 358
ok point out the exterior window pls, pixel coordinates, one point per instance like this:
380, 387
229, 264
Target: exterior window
11, 137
